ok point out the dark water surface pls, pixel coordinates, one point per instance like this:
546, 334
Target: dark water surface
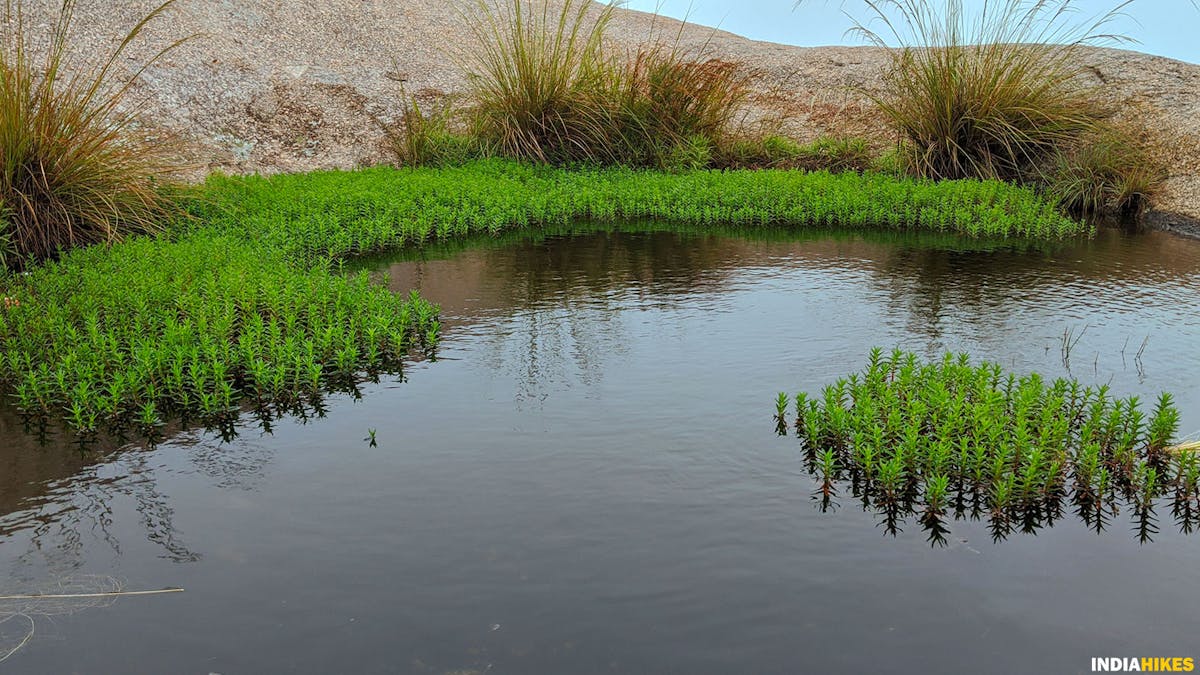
588, 480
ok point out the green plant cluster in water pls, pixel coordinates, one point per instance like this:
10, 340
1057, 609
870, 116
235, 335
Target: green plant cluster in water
337, 214
948, 437
243, 302
131, 336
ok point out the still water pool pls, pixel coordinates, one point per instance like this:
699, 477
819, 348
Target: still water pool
588, 480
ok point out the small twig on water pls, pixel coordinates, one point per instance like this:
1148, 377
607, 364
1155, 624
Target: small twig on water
30, 605
63, 596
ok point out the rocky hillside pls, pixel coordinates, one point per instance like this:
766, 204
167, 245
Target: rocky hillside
292, 85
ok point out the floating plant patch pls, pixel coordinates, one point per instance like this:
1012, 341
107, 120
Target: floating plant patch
948, 439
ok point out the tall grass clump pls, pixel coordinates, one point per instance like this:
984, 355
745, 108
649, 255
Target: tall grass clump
1113, 171
1001, 93
665, 110
545, 86
74, 167
531, 70
990, 94
427, 134
945, 437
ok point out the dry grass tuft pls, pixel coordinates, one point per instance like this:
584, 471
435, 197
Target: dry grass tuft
988, 94
1115, 170
532, 70
75, 168
546, 86
1001, 93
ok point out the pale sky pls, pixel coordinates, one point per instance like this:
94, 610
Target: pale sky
1165, 27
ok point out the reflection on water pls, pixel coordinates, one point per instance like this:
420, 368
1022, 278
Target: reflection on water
69, 512
559, 294
1027, 513
586, 468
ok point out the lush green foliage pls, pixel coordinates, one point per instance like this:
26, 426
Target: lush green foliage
146, 330
928, 438
238, 303
338, 214
74, 168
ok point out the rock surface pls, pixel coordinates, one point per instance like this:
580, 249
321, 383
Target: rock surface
294, 85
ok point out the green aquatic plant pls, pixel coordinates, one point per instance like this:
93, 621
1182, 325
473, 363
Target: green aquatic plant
1186, 502
248, 302
827, 472
126, 336
334, 215
781, 409
928, 438
933, 516
1163, 425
